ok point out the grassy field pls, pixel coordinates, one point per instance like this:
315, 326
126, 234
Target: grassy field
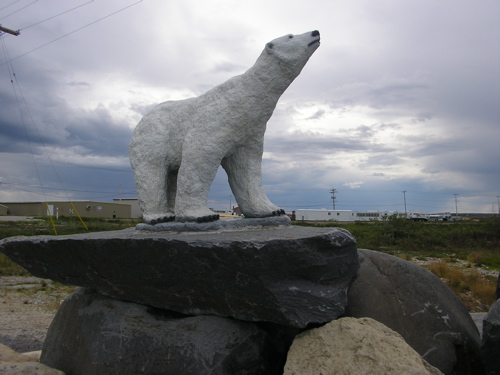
463, 254
43, 226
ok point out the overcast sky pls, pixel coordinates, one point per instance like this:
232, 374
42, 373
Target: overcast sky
400, 96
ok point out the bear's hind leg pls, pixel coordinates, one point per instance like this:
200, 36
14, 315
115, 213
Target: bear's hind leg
151, 185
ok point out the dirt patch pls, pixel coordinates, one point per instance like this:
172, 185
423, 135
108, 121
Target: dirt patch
27, 307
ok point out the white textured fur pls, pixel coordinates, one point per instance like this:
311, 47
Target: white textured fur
177, 148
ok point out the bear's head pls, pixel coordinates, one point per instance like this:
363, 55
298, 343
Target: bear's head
294, 50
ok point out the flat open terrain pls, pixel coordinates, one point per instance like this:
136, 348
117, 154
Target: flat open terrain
27, 307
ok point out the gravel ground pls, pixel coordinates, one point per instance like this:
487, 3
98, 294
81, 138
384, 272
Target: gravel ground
27, 307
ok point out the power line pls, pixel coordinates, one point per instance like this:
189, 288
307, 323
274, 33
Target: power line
57, 15
52, 188
12, 75
71, 32
5, 7
24, 7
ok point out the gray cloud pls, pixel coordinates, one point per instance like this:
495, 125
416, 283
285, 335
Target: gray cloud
405, 100
319, 114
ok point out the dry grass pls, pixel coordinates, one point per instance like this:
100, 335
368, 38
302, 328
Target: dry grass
476, 291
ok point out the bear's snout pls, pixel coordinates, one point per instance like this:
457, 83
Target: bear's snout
314, 34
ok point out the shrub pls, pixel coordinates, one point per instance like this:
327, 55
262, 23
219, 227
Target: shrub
9, 268
476, 258
475, 291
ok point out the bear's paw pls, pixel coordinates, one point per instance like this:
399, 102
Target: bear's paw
208, 218
164, 219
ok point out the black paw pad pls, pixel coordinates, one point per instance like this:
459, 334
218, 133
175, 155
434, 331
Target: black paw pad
208, 218
164, 219
282, 212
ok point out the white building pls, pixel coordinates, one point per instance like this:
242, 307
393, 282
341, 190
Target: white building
342, 215
325, 215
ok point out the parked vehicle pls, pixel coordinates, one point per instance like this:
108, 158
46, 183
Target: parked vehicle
417, 216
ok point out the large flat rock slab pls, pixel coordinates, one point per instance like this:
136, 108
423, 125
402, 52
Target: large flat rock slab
294, 276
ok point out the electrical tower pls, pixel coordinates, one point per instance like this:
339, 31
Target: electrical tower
334, 198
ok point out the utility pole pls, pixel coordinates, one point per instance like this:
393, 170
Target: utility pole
404, 195
456, 206
334, 198
498, 199
9, 31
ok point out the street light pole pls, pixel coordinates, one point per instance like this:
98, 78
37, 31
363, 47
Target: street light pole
404, 195
456, 206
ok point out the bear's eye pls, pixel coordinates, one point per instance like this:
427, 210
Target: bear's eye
290, 36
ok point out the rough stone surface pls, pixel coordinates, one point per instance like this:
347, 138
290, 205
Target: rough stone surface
418, 305
177, 148
27, 368
14, 363
93, 334
292, 276
491, 340
10, 355
222, 224
352, 346
478, 321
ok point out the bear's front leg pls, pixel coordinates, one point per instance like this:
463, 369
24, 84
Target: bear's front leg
243, 168
194, 178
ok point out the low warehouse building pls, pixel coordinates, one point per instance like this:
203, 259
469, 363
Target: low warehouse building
66, 208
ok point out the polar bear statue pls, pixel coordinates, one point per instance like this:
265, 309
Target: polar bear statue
176, 148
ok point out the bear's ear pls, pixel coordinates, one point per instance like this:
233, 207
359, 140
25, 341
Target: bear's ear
269, 47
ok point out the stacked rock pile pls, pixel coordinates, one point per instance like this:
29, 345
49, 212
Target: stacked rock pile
232, 302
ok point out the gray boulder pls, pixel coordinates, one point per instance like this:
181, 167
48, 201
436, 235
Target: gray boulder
292, 276
93, 334
491, 340
420, 307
